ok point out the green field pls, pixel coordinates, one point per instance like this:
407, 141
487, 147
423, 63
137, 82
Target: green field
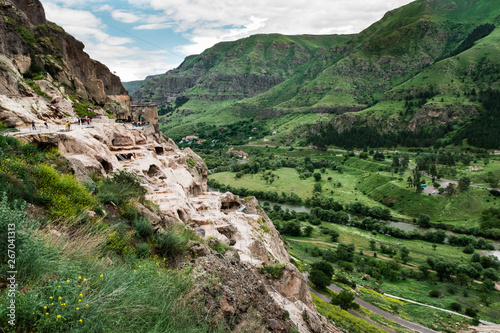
366, 181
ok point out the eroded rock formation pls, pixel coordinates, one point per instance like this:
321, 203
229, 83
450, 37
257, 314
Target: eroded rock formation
176, 180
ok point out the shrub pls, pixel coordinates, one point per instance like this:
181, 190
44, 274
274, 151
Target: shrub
456, 307
120, 187
434, 293
171, 243
143, 227
275, 271
142, 250
471, 312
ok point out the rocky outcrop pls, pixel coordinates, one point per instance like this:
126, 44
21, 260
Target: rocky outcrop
38, 60
176, 180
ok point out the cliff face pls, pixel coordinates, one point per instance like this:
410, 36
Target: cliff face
38, 60
235, 70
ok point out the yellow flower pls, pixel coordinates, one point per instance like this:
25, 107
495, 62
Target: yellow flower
45, 307
101, 274
67, 281
59, 297
79, 278
46, 313
81, 321
51, 303
84, 279
78, 308
80, 295
58, 316
79, 300
50, 297
58, 286
86, 305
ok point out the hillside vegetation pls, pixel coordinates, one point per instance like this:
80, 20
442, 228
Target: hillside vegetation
424, 71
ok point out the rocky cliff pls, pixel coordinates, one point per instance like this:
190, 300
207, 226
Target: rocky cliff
176, 181
44, 72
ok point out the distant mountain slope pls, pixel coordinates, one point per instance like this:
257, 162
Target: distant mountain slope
412, 72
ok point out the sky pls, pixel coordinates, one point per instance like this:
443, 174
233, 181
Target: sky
137, 38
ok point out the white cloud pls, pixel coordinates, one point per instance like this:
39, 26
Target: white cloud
205, 23
125, 17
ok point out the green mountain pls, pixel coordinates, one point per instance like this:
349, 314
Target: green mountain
426, 72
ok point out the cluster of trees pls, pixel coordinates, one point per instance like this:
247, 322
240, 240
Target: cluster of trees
479, 32
482, 131
359, 137
168, 108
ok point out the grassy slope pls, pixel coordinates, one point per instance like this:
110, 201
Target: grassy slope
363, 181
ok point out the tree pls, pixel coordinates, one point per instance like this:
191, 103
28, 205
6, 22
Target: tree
317, 188
405, 254
325, 267
450, 189
334, 235
345, 252
464, 183
317, 176
372, 244
424, 220
319, 279
469, 249
308, 231
345, 300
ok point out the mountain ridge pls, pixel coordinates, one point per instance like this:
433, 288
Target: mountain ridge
362, 79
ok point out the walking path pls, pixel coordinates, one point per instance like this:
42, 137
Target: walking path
386, 314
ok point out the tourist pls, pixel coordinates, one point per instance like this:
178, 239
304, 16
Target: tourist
33, 127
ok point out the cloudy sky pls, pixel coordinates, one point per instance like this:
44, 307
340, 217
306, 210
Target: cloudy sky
136, 38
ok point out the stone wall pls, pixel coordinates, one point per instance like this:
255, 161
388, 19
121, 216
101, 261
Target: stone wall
144, 111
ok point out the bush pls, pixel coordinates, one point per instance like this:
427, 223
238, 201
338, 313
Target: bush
456, 307
434, 293
171, 244
121, 186
471, 312
320, 280
143, 227
142, 250
275, 271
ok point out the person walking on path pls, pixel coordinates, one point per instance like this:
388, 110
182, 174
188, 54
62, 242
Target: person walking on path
33, 127
46, 125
